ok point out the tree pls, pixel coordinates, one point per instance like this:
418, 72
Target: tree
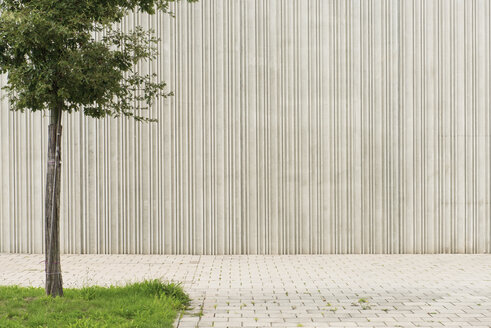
54, 63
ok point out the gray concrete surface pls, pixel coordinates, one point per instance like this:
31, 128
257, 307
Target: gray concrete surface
308, 126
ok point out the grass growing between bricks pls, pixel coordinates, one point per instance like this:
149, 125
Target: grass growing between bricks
145, 304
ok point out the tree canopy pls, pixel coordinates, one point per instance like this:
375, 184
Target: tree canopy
53, 59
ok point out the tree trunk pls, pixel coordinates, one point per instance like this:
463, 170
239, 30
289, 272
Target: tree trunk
54, 283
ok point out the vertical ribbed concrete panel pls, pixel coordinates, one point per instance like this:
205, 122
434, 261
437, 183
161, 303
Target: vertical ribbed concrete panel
297, 126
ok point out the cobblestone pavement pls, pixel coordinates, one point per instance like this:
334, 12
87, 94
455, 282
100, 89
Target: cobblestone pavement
295, 291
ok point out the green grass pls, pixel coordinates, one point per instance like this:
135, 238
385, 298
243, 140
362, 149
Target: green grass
145, 304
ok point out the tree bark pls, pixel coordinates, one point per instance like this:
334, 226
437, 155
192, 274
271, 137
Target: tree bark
54, 282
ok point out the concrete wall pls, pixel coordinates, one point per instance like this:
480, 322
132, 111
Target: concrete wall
297, 126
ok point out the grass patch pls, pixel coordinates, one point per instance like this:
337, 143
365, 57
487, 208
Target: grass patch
142, 305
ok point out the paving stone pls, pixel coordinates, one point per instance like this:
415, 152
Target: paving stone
285, 291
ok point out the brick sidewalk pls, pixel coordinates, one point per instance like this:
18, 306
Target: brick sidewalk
295, 291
